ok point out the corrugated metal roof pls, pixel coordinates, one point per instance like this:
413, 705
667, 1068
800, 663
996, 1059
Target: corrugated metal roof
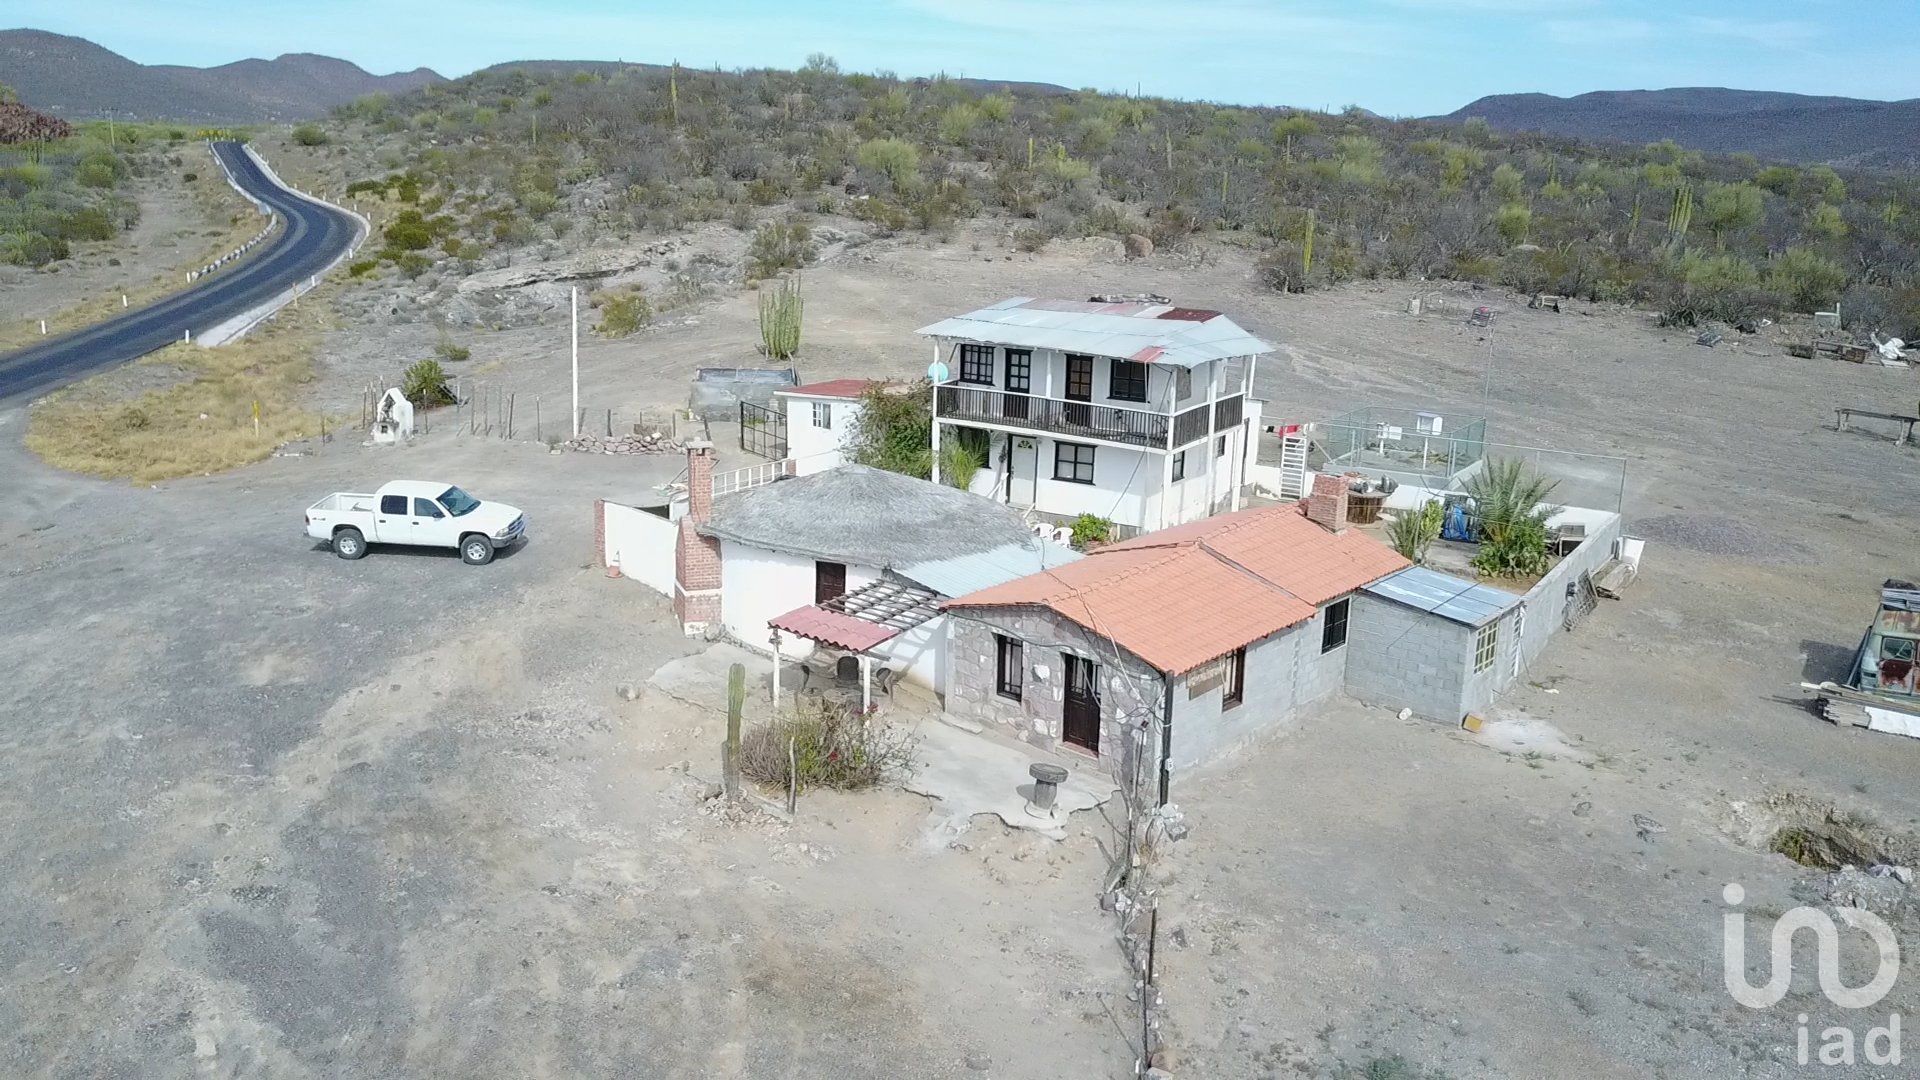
1123, 330
963, 574
1454, 599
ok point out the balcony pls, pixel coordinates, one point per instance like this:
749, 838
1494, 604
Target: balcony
1084, 419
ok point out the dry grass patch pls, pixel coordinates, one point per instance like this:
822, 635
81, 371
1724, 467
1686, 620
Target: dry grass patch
202, 423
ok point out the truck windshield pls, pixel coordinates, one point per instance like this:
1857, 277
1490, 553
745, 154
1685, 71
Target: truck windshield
457, 502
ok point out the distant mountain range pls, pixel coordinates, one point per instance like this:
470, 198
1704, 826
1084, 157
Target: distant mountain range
76, 79
1791, 127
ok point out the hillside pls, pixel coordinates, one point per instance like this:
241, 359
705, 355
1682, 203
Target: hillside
604, 68
509, 160
1787, 127
74, 78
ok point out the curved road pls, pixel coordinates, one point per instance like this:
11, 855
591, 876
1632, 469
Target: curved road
314, 237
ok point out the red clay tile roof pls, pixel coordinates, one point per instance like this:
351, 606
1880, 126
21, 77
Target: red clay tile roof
832, 388
833, 628
1183, 596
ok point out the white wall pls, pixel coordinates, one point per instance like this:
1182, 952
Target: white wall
758, 585
1125, 483
641, 545
817, 448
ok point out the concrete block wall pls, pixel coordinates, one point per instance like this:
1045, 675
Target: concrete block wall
1547, 601
1398, 658
1203, 729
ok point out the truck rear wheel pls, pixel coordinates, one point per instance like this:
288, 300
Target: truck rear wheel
476, 550
349, 544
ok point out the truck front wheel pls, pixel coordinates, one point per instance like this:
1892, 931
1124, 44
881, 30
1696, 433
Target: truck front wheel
476, 550
349, 544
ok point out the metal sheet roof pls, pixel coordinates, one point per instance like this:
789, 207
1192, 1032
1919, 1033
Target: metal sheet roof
1181, 335
963, 574
1454, 599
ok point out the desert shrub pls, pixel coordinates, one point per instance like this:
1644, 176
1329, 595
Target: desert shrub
1510, 512
425, 384
1030, 239
408, 232
778, 247
888, 217
310, 135
363, 267
1808, 279
821, 745
539, 204
894, 429
99, 171
1091, 529
452, 353
623, 313
413, 264
895, 159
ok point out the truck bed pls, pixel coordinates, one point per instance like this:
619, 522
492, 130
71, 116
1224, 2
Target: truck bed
347, 500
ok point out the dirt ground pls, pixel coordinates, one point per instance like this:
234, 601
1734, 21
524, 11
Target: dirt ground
272, 813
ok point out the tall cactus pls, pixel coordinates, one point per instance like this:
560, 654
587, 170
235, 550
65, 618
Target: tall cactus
1306, 244
780, 311
1682, 214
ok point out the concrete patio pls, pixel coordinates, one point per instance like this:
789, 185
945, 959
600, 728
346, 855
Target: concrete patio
982, 773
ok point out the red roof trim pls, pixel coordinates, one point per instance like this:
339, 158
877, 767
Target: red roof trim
831, 388
1187, 314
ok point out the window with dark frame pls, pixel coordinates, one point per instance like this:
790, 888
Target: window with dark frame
1008, 675
829, 581
822, 414
976, 364
1180, 465
1333, 632
1073, 462
1019, 371
1220, 446
1234, 690
1127, 381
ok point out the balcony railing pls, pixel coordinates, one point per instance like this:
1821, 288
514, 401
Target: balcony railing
1084, 419
1135, 427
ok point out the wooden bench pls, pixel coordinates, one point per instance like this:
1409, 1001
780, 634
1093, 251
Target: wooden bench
1845, 417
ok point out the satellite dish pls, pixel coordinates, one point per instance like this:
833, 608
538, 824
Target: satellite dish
937, 372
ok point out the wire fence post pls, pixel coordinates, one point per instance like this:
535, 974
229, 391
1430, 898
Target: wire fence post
509, 433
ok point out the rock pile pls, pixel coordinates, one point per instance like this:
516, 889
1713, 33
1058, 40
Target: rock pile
653, 442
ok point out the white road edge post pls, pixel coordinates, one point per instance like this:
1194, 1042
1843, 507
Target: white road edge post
574, 296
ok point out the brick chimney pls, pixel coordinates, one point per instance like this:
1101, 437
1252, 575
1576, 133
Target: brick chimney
696, 560
1327, 506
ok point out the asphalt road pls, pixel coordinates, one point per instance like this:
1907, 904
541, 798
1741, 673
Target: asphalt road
313, 238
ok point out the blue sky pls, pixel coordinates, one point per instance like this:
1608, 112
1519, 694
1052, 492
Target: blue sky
1401, 57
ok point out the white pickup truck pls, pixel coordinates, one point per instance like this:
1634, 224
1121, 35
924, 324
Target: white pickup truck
419, 513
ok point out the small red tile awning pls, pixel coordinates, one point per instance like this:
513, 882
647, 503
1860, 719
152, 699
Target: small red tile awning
869, 615
841, 631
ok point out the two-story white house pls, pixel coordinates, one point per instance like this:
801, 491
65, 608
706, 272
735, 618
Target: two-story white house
1136, 411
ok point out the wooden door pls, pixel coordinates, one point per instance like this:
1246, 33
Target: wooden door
829, 581
1080, 717
1079, 388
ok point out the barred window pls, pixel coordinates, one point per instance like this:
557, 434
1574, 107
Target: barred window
1485, 644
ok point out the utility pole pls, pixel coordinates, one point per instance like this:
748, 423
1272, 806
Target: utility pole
575, 295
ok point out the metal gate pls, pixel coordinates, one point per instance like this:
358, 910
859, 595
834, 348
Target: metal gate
763, 431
